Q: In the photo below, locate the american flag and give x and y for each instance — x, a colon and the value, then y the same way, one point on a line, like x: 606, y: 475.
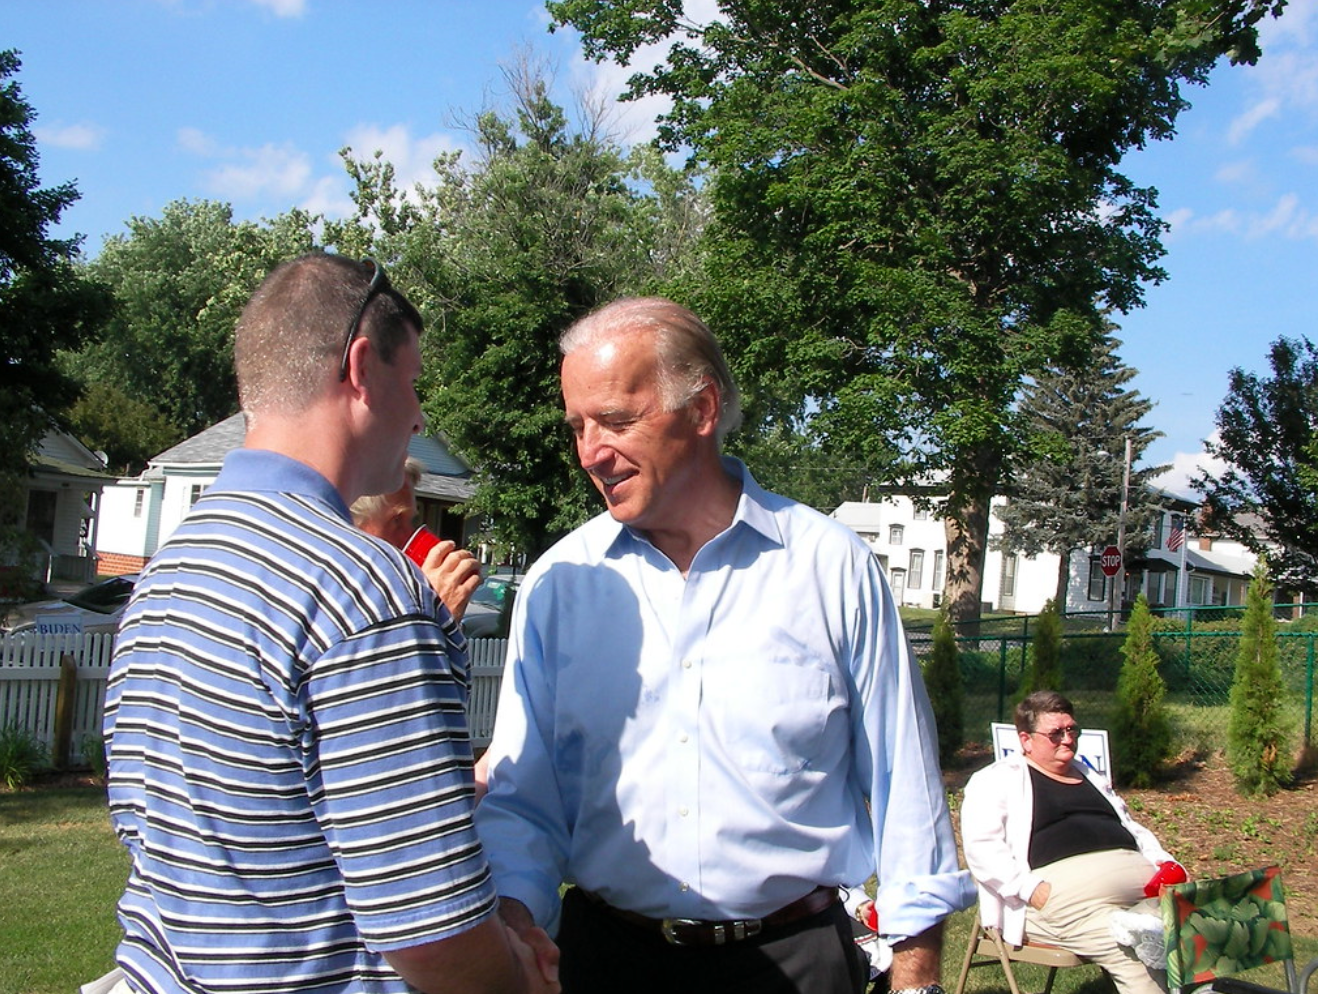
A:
x: 1177, y: 535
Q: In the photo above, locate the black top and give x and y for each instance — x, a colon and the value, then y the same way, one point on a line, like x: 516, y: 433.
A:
x: 1070, y: 819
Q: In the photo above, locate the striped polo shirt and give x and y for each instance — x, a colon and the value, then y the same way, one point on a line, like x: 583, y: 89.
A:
x: 289, y: 760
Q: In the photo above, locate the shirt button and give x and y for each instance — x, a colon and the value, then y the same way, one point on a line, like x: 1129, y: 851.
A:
x: 682, y: 812
x: 684, y: 888
x: 686, y: 664
x: 683, y: 737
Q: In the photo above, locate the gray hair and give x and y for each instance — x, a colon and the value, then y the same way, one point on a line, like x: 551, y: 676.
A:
x: 688, y: 355
x: 374, y: 506
x: 1034, y: 706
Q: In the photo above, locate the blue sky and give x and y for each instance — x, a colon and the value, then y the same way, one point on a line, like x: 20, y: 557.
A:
x: 142, y: 102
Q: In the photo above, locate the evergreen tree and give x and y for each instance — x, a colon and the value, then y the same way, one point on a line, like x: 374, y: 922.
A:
x: 1267, y: 435
x: 1045, y: 671
x: 1141, y: 730
x: 1067, y: 495
x: 942, y: 678
x: 45, y: 305
x: 1257, y: 735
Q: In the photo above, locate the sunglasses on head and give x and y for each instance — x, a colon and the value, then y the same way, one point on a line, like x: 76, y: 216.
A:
x: 379, y: 284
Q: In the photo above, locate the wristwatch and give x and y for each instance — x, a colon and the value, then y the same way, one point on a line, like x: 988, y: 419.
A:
x: 926, y: 989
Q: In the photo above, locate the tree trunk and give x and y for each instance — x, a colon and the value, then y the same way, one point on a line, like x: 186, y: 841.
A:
x: 1063, y: 581
x: 967, y: 545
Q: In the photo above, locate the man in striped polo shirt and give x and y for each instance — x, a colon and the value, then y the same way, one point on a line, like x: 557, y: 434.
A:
x: 289, y: 761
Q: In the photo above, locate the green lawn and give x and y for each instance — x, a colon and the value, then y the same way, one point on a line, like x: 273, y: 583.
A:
x: 61, y: 871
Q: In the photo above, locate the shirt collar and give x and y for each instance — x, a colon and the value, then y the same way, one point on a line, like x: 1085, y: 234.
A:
x: 263, y: 471
x: 756, y: 509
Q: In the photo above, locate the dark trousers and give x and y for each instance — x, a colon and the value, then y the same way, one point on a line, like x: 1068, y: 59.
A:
x: 602, y: 954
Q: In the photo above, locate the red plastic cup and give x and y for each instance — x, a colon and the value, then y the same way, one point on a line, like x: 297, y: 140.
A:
x: 421, y: 542
x: 1166, y: 875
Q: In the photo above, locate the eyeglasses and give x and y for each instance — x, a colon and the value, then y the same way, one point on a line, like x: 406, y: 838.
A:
x: 1058, y: 734
x: 379, y: 284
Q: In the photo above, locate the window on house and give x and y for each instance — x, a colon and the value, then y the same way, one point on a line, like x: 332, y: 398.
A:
x: 139, y: 500
x: 1157, y: 533
x: 1097, y: 581
x: 895, y: 534
x: 915, y: 578
x: 1201, y: 589
x: 921, y: 514
x: 1009, y: 576
x: 938, y: 571
x: 195, y: 493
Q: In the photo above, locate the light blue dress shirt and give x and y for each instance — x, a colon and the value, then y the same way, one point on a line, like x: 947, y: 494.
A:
x: 716, y: 746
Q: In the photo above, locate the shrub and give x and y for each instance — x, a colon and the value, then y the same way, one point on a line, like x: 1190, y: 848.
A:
x: 1141, y: 730
x: 942, y: 678
x: 1257, y: 733
x: 21, y: 756
x: 1045, y: 653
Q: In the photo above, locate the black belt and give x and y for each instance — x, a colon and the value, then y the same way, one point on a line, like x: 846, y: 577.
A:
x: 694, y: 932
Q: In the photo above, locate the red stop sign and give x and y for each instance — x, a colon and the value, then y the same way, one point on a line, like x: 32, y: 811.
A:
x: 1110, y: 560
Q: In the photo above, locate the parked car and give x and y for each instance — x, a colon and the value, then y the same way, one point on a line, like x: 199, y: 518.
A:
x: 487, y: 613
x: 98, y: 606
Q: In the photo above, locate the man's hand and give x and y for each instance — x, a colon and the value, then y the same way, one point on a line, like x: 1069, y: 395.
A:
x: 1040, y: 896
x: 520, y: 923
x: 453, y: 574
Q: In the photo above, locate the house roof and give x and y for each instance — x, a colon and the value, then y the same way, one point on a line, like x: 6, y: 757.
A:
x: 446, y: 476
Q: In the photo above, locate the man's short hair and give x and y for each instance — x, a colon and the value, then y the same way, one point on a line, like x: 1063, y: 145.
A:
x: 374, y: 506
x: 1034, y: 706
x: 689, y: 357
x: 290, y: 338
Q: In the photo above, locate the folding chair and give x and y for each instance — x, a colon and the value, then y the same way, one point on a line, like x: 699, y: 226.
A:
x: 1217, y: 928
x: 987, y: 943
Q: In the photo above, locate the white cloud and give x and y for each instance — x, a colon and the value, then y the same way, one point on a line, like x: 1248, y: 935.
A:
x: 197, y: 142
x: 284, y: 8
x: 329, y: 197
x: 271, y: 170
x: 1245, y: 123
x: 1286, y: 218
x: 1308, y: 154
x: 79, y: 137
x: 412, y: 158
x: 1185, y: 466
x: 1242, y: 171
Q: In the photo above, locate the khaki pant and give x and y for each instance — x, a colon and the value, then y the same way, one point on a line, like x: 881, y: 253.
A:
x: 1086, y: 890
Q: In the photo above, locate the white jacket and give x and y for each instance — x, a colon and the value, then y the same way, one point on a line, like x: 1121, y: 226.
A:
x: 997, y: 817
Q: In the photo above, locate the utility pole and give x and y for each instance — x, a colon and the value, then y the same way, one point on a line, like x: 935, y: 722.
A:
x: 1120, y: 579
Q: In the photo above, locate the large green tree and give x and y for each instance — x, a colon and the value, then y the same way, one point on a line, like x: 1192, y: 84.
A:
x: 179, y: 283
x: 917, y: 204
x: 1267, y: 433
x: 1067, y: 491
x: 550, y: 220
x: 45, y: 305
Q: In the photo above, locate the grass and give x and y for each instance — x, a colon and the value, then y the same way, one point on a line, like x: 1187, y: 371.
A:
x: 61, y: 872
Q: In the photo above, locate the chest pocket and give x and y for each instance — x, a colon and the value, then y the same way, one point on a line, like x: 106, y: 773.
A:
x: 775, y: 716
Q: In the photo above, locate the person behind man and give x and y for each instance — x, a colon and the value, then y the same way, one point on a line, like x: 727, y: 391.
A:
x: 710, y: 717
x: 454, y: 573
x: 1055, y: 851
x: 289, y: 765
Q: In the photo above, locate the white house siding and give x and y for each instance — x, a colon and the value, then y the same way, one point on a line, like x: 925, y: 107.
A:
x: 127, y: 528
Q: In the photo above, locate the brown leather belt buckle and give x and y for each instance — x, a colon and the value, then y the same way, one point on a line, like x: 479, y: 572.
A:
x: 693, y: 932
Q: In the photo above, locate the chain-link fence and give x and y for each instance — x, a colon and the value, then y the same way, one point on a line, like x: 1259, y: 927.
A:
x: 1198, y: 661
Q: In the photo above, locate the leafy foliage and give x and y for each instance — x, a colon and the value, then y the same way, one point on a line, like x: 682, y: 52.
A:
x: 22, y: 755
x: 1066, y: 494
x: 942, y: 678
x: 1268, y: 436
x: 1045, y: 671
x: 128, y: 430
x: 45, y: 305
x: 550, y: 222
x: 1258, y: 732
x: 1141, y: 730
x: 179, y: 283
x: 917, y: 205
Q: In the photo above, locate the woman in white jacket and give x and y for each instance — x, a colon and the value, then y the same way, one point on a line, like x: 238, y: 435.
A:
x: 1054, y: 850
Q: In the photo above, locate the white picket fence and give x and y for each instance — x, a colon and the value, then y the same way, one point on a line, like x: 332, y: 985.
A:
x: 30, y: 677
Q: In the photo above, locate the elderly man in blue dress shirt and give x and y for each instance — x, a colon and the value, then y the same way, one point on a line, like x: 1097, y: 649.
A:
x: 711, y: 718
